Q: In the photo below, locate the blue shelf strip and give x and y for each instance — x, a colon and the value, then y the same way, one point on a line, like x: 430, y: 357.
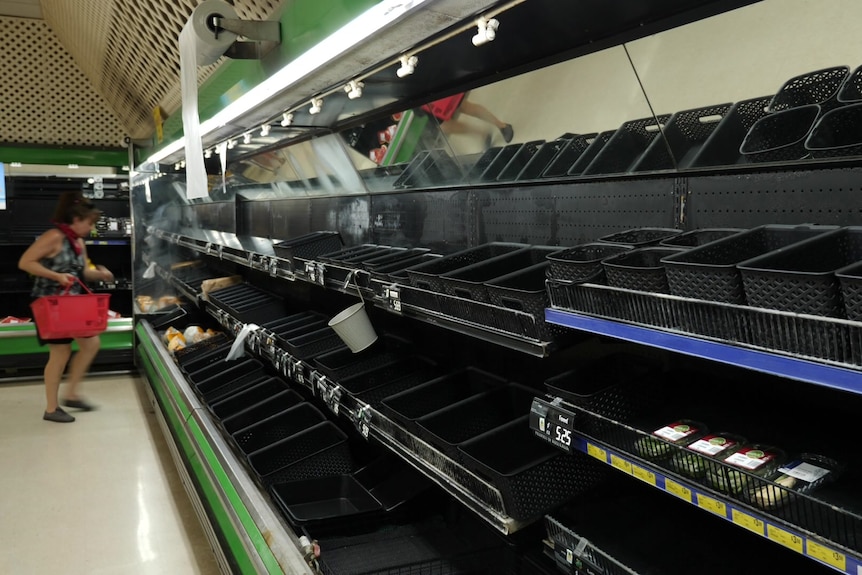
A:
x: 766, y: 362
x: 739, y: 516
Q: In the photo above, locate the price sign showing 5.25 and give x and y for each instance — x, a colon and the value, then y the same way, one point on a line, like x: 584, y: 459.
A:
x: 552, y: 424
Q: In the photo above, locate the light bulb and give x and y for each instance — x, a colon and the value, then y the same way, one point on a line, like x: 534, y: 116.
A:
x: 408, y: 66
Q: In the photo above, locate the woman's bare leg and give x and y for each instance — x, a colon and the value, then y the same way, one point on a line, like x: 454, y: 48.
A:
x: 88, y: 347
x: 58, y: 357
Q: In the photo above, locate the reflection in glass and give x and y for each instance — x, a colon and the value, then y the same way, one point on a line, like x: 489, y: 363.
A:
x: 763, y: 83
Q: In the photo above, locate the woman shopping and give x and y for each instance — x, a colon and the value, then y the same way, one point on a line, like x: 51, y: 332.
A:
x: 57, y: 260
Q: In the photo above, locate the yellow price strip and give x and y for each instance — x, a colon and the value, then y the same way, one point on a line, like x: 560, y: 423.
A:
x: 828, y: 556
x: 680, y: 491
x: 712, y: 505
x: 747, y: 521
x: 784, y: 538
x: 621, y: 464
x: 643, y: 474
x: 597, y: 452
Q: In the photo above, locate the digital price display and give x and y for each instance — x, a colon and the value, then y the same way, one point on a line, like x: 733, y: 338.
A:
x: 552, y: 424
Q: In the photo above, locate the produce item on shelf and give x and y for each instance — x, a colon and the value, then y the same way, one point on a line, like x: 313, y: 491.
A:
x: 185, y: 264
x: 682, y: 432
x: 114, y: 314
x: 214, y: 284
x: 166, y: 300
x: 171, y: 333
x: 144, y: 302
x: 710, y: 446
x: 802, y: 475
x: 177, y: 342
x: 11, y: 320
x: 194, y: 334
x: 760, y: 460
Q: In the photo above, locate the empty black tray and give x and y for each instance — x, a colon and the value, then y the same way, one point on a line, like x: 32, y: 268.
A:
x: 308, y: 246
x: 427, y: 276
x: 408, y: 406
x: 469, y: 282
x: 641, y: 269
x: 254, y: 412
x: 276, y: 427
x: 582, y: 263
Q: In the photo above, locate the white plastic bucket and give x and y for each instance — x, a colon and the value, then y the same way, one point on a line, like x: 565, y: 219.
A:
x: 354, y: 328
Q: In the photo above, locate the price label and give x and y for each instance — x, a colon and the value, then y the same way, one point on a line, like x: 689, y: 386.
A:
x: 828, y: 556
x: 621, y: 464
x: 644, y: 474
x: 712, y: 505
x: 597, y: 452
x: 680, y: 491
x: 747, y: 521
x: 784, y: 538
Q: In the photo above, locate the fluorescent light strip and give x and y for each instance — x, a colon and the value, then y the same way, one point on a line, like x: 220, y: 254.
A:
x: 361, y: 28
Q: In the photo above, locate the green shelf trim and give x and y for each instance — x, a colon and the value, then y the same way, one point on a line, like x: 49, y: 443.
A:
x: 20, y: 339
x: 190, y: 436
x: 62, y: 156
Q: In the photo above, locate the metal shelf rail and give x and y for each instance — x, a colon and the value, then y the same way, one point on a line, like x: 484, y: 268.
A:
x: 803, y: 523
x: 510, y: 328
x: 819, y: 350
x: 475, y: 493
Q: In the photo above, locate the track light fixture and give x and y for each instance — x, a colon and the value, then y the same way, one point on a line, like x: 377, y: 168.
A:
x: 208, y: 153
x: 487, y: 31
x: 316, y: 106
x: 286, y: 119
x: 264, y: 130
x: 354, y: 89
x: 246, y: 138
x: 231, y: 144
x: 408, y: 66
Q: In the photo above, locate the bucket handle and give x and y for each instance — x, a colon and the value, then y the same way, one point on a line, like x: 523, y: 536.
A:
x: 352, y: 276
x: 77, y: 279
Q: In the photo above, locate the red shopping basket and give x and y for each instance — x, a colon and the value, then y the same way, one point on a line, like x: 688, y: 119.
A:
x: 71, y: 315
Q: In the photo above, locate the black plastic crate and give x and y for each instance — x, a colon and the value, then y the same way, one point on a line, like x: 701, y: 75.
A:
x: 396, y: 256
x: 582, y: 263
x: 499, y: 162
x: 432, y: 168
x: 850, y: 279
x: 482, y: 163
x: 572, y: 149
x: 469, y: 282
x: 709, y: 272
x: 313, y: 502
x: 254, y: 412
x: 533, y: 477
x: 781, y: 136
x: 347, y: 253
x: 233, y: 381
x: 220, y: 366
x: 422, y: 372
x: 308, y: 246
x: 265, y: 390
x: 542, y: 159
x: 448, y: 427
x: 640, y: 237
x: 619, y: 386
x: 722, y: 146
x: 801, y: 278
x: 820, y: 87
x: 522, y: 290
x: 395, y: 272
x: 427, y: 276
x: 837, y: 133
x: 276, y: 427
x: 851, y: 89
x: 405, y: 177
x: 520, y: 160
x: 626, y: 146
x: 408, y: 406
x: 641, y: 269
x: 307, y: 346
x: 343, y: 363
x: 597, y: 144
x: 403, y: 366
x: 318, y: 451
x: 696, y: 238
x: 684, y: 135
x: 213, y: 344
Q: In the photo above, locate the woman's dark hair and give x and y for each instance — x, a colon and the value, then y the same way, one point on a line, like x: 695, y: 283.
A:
x: 74, y: 205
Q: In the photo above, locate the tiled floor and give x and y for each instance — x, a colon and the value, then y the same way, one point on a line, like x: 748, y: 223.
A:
x: 99, y: 496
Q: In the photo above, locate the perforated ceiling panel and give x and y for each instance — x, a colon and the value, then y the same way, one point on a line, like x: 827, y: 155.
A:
x: 92, y: 71
x: 46, y: 98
